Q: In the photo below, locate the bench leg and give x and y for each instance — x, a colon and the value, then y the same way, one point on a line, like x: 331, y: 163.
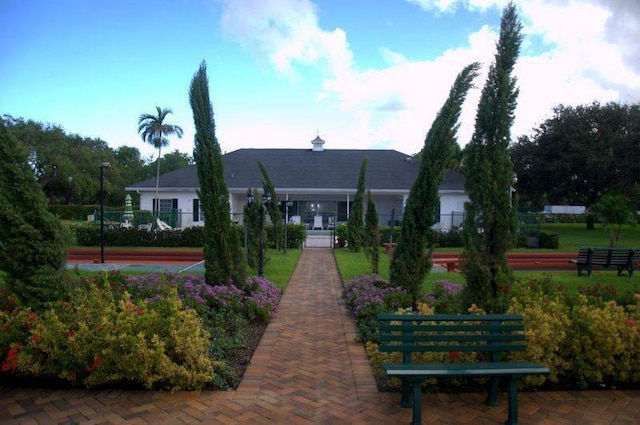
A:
x: 492, y: 394
x: 406, y: 393
x: 417, y: 402
x: 513, y: 401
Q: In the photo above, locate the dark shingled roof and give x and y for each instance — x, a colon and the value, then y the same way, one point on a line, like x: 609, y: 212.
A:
x: 306, y: 169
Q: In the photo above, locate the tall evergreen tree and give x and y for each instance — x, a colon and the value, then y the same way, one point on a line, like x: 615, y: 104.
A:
x: 490, y: 218
x: 355, y: 224
x: 223, y: 255
x: 372, y: 234
x: 410, y: 263
x: 273, y: 209
x: 251, y: 221
x: 32, y: 240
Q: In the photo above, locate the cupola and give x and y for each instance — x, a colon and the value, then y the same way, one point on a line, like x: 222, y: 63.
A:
x: 317, y: 144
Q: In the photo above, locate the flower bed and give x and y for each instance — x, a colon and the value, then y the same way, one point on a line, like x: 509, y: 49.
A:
x: 154, y: 331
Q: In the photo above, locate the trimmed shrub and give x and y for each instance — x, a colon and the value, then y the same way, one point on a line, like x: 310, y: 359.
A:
x: 101, y: 338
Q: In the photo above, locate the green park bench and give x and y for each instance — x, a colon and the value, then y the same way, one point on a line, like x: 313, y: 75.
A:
x: 491, y: 334
x: 623, y: 258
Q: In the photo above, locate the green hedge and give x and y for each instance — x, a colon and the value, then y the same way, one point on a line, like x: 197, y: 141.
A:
x: 87, y: 234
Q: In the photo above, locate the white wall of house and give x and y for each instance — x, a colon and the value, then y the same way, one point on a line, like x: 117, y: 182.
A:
x: 451, y: 206
x: 451, y: 209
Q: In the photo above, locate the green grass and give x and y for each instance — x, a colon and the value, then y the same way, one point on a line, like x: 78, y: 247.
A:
x: 352, y: 265
x: 571, y: 236
x: 279, y: 267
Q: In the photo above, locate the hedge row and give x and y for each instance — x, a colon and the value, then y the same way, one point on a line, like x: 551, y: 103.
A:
x: 89, y: 235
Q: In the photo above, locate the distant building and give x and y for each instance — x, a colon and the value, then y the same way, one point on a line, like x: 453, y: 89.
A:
x: 320, y: 183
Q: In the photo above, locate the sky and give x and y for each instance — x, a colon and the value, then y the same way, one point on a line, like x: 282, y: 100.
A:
x: 362, y: 74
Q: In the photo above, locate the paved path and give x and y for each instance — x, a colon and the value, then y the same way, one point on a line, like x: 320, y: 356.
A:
x: 308, y: 369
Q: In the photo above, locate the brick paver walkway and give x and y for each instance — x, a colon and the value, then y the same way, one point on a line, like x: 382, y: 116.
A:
x: 308, y: 369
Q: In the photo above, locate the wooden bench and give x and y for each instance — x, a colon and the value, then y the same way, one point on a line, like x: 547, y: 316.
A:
x: 491, y: 335
x: 622, y: 258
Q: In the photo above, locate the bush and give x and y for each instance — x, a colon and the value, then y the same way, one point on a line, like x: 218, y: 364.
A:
x: 366, y: 296
x: 101, y: 337
x: 549, y: 240
x: 445, y: 297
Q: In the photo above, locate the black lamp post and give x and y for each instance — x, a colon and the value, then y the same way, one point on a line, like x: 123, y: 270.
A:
x: 102, y: 167
x: 245, y: 220
x: 287, y: 204
x: 266, y: 200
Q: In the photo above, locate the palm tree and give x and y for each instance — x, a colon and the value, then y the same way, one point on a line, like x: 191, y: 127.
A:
x: 154, y: 131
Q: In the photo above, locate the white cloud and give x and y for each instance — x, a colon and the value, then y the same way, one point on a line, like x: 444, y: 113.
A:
x: 588, y: 53
x: 287, y: 32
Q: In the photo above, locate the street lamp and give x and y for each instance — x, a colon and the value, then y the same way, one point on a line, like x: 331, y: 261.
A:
x: 266, y: 200
x: 287, y: 204
x: 245, y: 220
x: 102, y: 167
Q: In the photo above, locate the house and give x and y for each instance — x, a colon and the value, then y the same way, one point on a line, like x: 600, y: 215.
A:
x: 319, y: 183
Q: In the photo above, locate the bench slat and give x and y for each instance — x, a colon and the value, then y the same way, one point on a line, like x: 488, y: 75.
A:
x: 463, y: 369
x: 446, y: 327
x: 412, y: 348
x: 489, y: 338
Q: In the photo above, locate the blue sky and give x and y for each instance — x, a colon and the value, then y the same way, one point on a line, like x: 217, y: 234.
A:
x: 362, y: 74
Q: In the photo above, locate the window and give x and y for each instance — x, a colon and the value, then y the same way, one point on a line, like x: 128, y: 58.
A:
x: 196, y: 210
x: 166, y: 204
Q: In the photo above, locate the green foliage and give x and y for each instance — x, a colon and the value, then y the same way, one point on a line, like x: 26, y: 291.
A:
x: 342, y: 233
x: 410, y: 265
x: 154, y: 130
x: 32, y: 240
x: 490, y: 219
x: 579, y: 154
x: 296, y: 234
x: 549, y: 240
x: 273, y: 208
x: 355, y: 225
x: 372, y: 235
x: 102, y: 338
x: 614, y: 210
x: 224, y: 257
x: 251, y: 222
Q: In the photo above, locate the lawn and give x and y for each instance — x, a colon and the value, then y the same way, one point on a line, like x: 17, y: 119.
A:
x: 574, y: 235
x: 571, y: 236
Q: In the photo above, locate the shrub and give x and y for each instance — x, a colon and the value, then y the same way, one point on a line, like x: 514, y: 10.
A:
x: 546, y: 321
x: 366, y: 296
x: 98, y: 339
x: 445, y: 297
x: 596, y: 343
x: 549, y: 240
x: 258, y: 300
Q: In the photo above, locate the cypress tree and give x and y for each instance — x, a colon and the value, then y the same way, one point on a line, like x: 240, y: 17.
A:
x: 32, y: 240
x: 410, y: 263
x: 273, y: 209
x: 490, y: 218
x: 252, y: 227
x: 223, y: 255
x: 372, y: 234
x: 355, y: 225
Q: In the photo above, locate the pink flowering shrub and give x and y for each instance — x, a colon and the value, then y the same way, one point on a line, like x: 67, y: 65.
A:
x: 258, y: 300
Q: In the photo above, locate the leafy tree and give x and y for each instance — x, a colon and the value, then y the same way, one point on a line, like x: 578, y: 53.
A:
x: 273, y: 209
x: 615, y: 210
x: 224, y: 258
x: 490, y: 218
x: 410, y: 263
x: 32, y: 240
x: 154, y: 130
x: 65, y: 166
x: 355, y: 225
x: 580, y: 154
x: 175, y: 160
x: 372, y: 234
